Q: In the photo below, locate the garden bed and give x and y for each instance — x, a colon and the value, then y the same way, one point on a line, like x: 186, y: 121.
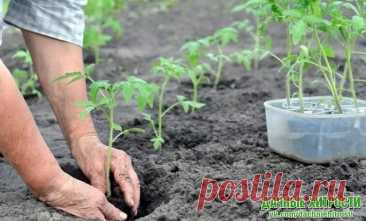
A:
x: 226, y: 139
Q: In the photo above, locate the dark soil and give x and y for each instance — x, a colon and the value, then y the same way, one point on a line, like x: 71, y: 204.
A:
x: 224, y: 140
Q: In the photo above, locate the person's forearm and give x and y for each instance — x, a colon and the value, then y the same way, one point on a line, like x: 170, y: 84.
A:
x: 20, y: 141
x: 52, y: 59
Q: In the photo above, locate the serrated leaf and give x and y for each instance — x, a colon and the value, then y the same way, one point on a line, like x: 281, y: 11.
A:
x: 127, y: 91
x: 95, y: 88
x: 226, y: 36
x: 157, y: 142
x: 141, y: 103
x: 298, y: 31
x: 358, y: 24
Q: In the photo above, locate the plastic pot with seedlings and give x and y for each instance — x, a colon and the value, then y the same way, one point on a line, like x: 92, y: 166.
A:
x: 326, y: 128
x: 318, y: 134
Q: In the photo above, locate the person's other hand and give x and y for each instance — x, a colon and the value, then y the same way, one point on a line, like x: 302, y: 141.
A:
x: 91, y: 156
x: 79, y: 199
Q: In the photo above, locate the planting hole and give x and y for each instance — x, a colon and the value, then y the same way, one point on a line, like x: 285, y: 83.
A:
x: 154, y: 183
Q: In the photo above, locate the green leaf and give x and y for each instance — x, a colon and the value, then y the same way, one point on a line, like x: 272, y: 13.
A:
x: 116, y: 127
x: 115, y: 25
x: 71, y: 77
x: 157, y: 142
x: 134, y: 130
x: 187, y: 105
x: 292, y: 13
x: 192, y: 51
x: 244, y: 58
x: 89, y: 69
x: 95, y: 88
x: 127, y: 91
x: 239, y: 8
x: 141, y: 103
x: 226, y: 36
x: 169, y: 67
x: 351, y: 6
x: 358, y: 24
x: 329, y: 52
x: 24, y: 56
x: 298, y: 31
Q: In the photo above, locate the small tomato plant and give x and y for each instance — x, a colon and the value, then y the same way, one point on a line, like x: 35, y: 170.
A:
x: 26, y: 79
x: 313, y: 29
x: 102, y: 16
x: 196, y: 68
x: 105, y: 97
x: 169, y: 69
x: 261, y: 11
x: 219, y: 40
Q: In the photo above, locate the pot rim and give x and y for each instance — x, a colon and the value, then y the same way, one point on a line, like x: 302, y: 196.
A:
x: 268, y: 104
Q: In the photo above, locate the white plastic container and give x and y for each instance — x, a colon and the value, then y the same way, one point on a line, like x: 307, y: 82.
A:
x: 317, y: 137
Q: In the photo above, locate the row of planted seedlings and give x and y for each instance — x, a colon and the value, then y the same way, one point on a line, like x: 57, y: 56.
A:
x: 150, y: 99
x: 202, y: 61
x: 319, y: 32
x: 103, y: 24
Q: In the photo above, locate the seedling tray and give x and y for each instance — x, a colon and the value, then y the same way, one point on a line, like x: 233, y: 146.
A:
x: 318, y: 135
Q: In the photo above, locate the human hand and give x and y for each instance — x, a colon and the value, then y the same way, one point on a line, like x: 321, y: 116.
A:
x: 79, y: 199
x: 90, y: 155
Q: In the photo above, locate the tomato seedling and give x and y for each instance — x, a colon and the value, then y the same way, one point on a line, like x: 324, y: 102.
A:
x: 106, y: 96
x: 196, y: 68
x: 220, y: 39
x: 26, y: 79
x: 349, y: 30
x: 314, y: 26
x: 101, y: 16
x: 169, y: 69
x: 261, y: 11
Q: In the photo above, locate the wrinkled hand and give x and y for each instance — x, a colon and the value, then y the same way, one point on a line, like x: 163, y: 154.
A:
x: 79, y: 199
x: 91, y: 154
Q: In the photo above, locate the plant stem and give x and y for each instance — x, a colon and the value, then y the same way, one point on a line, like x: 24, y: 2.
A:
x: 256, y: 45
x: 288, y: 89
x: 219, y: 67
x: 350, y: 76
x: 96, y: 54
x: 195, y: 94
x: 134, y: 130
x: 300, y: 87
x: 329, y: 79
x: 343, y: 80
x: 109, y: 152
x: 169, y: 109
x: 288, y: 79
x: 161, y: 104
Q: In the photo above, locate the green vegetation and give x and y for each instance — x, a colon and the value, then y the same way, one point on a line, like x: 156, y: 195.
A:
x: 261, y: 12
x: 102, y: 20
x: 314, y: 29
x: 105, y: 97
x: 169, y: 69
x: 26, y: 79
x: 196, y: 68
x: 219, y: 40
x: 317, y: 27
